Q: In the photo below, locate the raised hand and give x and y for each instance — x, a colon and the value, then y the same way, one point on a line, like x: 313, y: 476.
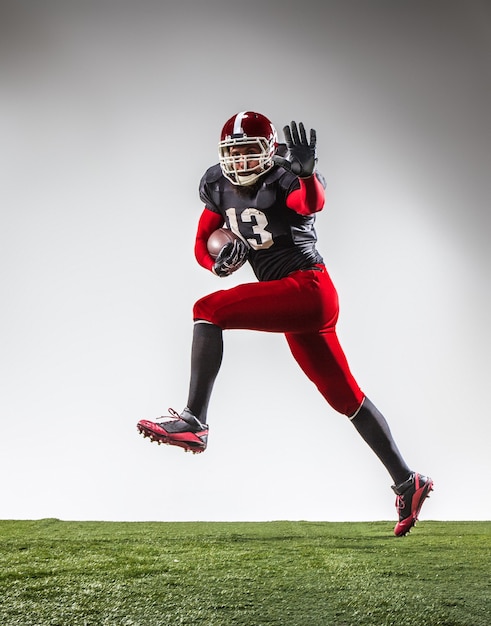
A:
x: 302, y: 154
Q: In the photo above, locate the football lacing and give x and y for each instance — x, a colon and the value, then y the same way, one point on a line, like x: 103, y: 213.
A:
x: 173, y: 415
x: 400, y: 504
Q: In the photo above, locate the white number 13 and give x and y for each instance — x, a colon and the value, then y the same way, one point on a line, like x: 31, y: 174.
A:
x: 259, y: 222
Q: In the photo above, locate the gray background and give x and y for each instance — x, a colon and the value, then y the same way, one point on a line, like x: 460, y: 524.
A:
x: 109, y: 114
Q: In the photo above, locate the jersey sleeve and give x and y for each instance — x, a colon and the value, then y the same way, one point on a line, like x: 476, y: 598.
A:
x: 208, y: 222
x: 308, y: 197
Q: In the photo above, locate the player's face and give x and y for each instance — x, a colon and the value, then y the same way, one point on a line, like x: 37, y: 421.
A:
x: 246, y: 158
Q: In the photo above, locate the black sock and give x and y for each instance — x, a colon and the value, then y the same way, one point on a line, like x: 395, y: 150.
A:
x: 373, y: 427
x: 206, y: 359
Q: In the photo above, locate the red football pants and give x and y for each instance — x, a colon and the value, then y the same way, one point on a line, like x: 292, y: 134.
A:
x: 303, y: 306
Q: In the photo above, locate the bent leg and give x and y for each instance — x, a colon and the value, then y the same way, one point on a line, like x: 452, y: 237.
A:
x: 301, y: 302
x: 295, y: 302
x: 206, y: 359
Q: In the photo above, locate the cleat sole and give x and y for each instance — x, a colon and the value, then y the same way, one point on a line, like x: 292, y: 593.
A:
x: 186, y: 446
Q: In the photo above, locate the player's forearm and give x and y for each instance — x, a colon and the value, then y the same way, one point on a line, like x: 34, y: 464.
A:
x: 208, y: 222
x: 309, y: 198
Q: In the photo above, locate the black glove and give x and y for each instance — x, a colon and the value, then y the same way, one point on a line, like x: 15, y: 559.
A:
x: 232, y: 256
x: 302, y: 155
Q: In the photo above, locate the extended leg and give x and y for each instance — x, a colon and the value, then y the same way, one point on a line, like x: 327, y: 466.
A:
x: 373, y: 427
x: 321, y: 357
x: 411, y: 488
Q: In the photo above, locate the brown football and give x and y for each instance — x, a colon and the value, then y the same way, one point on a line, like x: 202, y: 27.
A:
x: 218, y: 239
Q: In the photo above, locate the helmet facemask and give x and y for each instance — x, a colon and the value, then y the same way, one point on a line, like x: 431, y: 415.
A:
x: 236, y: 167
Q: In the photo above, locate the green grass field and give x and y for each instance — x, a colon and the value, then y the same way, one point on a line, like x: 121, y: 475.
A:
x: 250, y: 574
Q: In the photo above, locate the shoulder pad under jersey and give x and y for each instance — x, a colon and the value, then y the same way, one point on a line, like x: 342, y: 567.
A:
x: 209, y: 187
x: 212, y: 174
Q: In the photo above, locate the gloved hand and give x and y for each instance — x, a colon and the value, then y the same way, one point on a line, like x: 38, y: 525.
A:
x: 302, y: 155
x: 230, y: 258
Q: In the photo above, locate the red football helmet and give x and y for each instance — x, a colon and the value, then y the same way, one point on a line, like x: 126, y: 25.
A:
x: 247, y: 129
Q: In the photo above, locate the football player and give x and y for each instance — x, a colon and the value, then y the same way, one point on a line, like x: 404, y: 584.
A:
x: 268, y: 194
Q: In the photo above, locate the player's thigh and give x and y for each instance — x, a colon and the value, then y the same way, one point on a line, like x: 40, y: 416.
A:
x: 301, y: 302
x: 268, y: 306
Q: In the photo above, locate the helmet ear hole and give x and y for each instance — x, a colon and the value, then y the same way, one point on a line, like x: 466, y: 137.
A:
x: 247, y: 128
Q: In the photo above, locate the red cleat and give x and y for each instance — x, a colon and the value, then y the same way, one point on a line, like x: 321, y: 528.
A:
x: 184, y: 431
x: 410, y: 497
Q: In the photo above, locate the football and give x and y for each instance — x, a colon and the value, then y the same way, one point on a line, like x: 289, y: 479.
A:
x: 218, y: 239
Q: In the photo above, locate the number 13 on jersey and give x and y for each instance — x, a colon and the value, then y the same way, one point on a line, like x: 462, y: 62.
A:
x: 254, y: 222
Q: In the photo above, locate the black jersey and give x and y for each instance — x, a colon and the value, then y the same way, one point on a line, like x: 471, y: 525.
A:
x: 281, y: 241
